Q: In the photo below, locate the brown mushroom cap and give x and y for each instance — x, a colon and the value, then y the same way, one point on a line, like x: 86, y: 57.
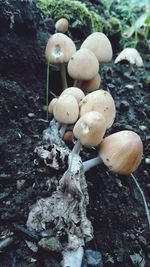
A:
x: 66, y: 109
x: 83, y: 65
x: 90, y: 129
x: 59, y: 48
x: 91, y: 85
x: 131, y: 55
x: 51, y: 105
x: 122, y: 152
x: 61, y: 25
x: 100, y: 45
x: 102, y: 102
x: 75, y: 91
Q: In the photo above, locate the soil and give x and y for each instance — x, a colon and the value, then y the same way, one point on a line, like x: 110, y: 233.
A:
x: 116, y: 208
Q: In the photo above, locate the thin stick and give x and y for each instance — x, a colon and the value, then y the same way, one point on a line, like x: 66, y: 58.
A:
x: 144, y: 200
x: 47, y: 87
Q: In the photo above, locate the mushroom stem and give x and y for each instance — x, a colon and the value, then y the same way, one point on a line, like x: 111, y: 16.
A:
x: 87, y: 165
x: 77, y: 83
x: 77, y: 147
x: 63, y: 76
x: 131, y: 68
x: 47, y: 87
x: 62, y: 130
x: 144, y: 200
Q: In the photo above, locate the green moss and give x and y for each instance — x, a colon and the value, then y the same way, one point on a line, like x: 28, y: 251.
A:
x: 76, y: 12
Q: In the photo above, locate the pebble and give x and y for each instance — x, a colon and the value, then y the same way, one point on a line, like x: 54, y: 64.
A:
x: 147, y: 160
x: 129, y: 86
x: 92, y: 258
x: 142, y: 127
x: 31, y: 115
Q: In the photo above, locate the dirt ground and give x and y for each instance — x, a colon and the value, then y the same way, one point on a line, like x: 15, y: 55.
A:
x: 116, y: 209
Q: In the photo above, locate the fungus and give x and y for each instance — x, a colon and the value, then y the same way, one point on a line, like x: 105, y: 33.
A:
x: 102, y: 102
x: 66, y: 111
x: 100, y: 45
x: 75, y: 91
x: 61, y: 25
x: 89, y: 130
x: 83, y: 65
x: 121, y: 152
x: 91, y: 85
x: 132, y: 56
x: 51, y: 105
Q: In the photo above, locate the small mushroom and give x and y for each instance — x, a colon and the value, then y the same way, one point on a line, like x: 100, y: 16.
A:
x: 61, y: 25
x: 59, y: 50
x: 83, y: 65
x: 51, y: 105
x: 89, y: 86
x: 66, y: 111
x: 75, y: 91
x: 89, y: 130
x: 132, y: 56
x: 121, y: 152
x: 100, y: 45
x: 102, y: 102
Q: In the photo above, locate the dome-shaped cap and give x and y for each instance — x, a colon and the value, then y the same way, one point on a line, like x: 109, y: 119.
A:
x: 59, y: 48
x: 100, y: 45
x: 75, y: 91
x: 66, y: 109
x: 83, y: 65
x: 91, y: 85
x: 61, y: 25
x: 102, y: 102
x: 122, y: 152
x: 131, y: 55
x: 90, y: 129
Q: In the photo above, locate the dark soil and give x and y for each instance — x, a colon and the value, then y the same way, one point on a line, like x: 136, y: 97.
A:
x: 116, y: 208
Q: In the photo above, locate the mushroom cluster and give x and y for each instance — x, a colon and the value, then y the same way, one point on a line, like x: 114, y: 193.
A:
x: 81, y: 115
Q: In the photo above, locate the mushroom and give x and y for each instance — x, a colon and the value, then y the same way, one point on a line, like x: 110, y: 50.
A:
x: 75, y: 91
x: 91, y: 85
x: 89, y: 130
x: 61, y: 25
x: 66, y: 111
x: 121, y: 152
x: 102, y: 102
x: 59, y: 50
x: 51, y: 105
x: 83, y: 65
x: 132, y: 56
x: 100, y: 45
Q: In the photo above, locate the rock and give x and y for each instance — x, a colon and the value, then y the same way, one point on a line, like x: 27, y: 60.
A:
x: 93, y: 258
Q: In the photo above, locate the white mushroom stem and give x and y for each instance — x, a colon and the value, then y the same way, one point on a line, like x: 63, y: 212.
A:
x: 87, y: 165
x: 77, y: 83
x: 63, y: 76
x: 144, y: 200
x: 62, y: 130
x: 77, y: 147
x: 72, y: 258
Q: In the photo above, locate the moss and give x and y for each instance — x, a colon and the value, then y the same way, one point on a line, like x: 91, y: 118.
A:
x: 76, y: 12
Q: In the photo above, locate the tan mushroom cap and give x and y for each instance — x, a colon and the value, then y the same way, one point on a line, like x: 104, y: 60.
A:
x: 83, y: 65
x: 102, y: 102
x: 90, y: 129
x: 75, y: 91
x: 59, y: 48
x: 66, y: 109
x: 61, y: 25
x: 91, y: 85
x: 122, y: 152
x: 51, y: 105
x: 100, y: 45
x: 131, y: 55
